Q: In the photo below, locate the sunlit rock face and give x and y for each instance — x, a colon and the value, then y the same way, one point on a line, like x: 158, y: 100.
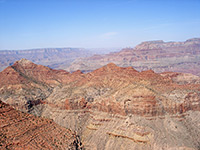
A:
x: 111, y: 107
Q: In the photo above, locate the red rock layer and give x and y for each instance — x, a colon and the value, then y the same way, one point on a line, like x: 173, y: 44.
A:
x: 156, y: 55
x: 151, y: 96
x: 24, y: 131
x: 26, y: 72
x: 112, y: 89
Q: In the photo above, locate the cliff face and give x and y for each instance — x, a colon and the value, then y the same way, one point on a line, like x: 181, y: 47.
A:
x: 111, y: 106
x: 24, y: 131
x: 53, y: 57
x: 156, y: 55
x: 164, y: 45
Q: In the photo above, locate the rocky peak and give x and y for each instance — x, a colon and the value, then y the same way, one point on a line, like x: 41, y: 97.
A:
x: 153, y: 42
x: 149, y: 45
x: 159, y: 44
x: 111, y: 66
x: 25, y: 70
x: 107, y: 69
x: 193, y: 40
x: 148, y: 72
x: 78, y: 72
x: 24, y: 62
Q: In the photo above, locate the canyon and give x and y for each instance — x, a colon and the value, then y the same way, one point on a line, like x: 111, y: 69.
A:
x: 158, y: 56
x: 111, y: 107
x: 52, y: 57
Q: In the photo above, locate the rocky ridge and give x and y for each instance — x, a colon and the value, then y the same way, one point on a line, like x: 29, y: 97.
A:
x: 24, y: 131
x: 156, y: 55
x: 113, y: 106
x: 28, y: 84
x: 164, y: 45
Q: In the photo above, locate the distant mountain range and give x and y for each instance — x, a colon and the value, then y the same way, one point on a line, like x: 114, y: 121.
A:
x: 52, y: 57
x: 110, y: 107
x: 156, y: 55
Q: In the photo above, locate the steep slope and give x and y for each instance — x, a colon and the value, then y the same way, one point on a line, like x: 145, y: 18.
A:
x: 24, y: 83
x: 124, y: 90
x: 121, y: 108
x: 24, y: 131
x: 118, y: 107
x: 156, y: 55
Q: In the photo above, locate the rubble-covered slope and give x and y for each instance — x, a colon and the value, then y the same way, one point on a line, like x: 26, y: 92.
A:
x: 24, y: 131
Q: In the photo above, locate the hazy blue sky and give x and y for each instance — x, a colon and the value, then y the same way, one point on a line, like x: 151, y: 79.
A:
x: 28, y: 24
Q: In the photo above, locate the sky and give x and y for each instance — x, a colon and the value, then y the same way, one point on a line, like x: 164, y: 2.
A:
x: 29, y: 24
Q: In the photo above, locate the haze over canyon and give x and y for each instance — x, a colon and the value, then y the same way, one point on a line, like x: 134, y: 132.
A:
x: 99, y: 75
x: 156, y: 55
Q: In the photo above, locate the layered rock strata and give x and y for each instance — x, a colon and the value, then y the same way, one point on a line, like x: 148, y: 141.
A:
x: 156, y: 55
x: 24, y: 131
x: 112, y: 107
x: 53, y: 57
